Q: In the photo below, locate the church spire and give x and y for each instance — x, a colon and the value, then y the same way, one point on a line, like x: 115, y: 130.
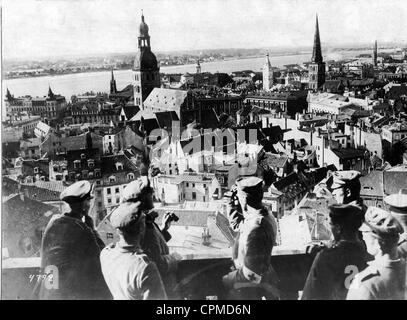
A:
x: 316, y: 52
x: 113, y: 88
x: 375, y: 53
x: 50, y: 93
x: 8, y: 95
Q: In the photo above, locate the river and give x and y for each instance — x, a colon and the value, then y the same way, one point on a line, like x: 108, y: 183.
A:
x: 78, y: 83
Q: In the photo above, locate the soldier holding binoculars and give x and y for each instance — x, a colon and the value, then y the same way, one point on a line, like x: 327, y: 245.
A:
x: 156, y: 237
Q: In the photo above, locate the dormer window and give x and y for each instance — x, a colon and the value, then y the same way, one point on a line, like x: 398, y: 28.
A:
x: 83, y: 156
x: 119, y: 166
x: 36, y: 170
x: 112, y: 179
x: 97, y: 173
x: 91, y: 163
x: 76, y: 164
x: 130, y: 176
x: 90, y: 175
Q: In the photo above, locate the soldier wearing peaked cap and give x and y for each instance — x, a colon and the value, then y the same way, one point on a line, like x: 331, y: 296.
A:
x: 385, y: 277
x: 72, y: 245
x: 397, y: 205
x: 345, y: 254
x: 254, y: 276
x: 128, y: 272
x: 156, y: 237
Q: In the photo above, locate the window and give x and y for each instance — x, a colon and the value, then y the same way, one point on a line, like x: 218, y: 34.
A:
x: 193, y: 185
x: 109, y: 235
x: 83, y: 156
x: 91, y: 164
x: 112, y: 179
x: 97, y: 173
x: 76, y: 164
x: 36, y: 170
x: 98, y: 182
x: 117, y: 190
x: 117, y: 200
x: 193, y: 195
x: 109, y: 200
x: 130, y: 176
x: 99, y: 204
x: 108, y: 191
x: 55, y: 168
x: 90, y: 175
x: 187, y: 184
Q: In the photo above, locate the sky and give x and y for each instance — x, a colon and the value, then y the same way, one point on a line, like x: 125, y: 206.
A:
x: 50, y: 28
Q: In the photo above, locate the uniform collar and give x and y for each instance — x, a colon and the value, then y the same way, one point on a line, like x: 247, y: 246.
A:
x: 384, y: 263
x: 125, y: 247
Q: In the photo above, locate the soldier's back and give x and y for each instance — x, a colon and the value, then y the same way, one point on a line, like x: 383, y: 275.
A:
x: 333, y: 269
x: 383, y: 280
x: 126, y: 271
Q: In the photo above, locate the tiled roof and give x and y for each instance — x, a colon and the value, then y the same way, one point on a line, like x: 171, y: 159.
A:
x: 348, y: 153
x: 273, y: 160
x: 394, y: 179
x: 23, y: 217
x: 190, y: 218
x: 372, y: 184
x: 28, y: 167
x: 30, y: 143
x: 166, y: 118
x: 397, y: 91
x: 10, y: 149
x: 165, y: 99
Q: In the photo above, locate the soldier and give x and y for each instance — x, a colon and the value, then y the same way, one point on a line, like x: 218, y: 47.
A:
x: 254, y: 277
x: 71, y: 248
x: 338, y: 261
x: 345, y: 188
x: 397, y: 204
x: 384, y: 278
x: 129, y: 273
x: 155, y: 240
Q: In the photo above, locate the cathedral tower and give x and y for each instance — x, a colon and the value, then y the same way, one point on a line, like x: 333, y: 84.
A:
x: 146, y: 69
x: 316, y: 69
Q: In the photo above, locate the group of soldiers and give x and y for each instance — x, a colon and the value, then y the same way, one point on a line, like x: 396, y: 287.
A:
x: 364, y: 260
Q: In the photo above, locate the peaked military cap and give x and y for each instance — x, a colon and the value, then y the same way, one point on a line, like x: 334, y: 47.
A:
x: 251, y: 185
x: 77, y: 192
x: 134, y: 190
x: 125, y: 214
x: 343, y: 178
x: 382, y: 223
x: 350, y: 210
x: 397, y: 203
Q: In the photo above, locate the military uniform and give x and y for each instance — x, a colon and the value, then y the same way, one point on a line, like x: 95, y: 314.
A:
x: 73, y: 248
x: 252, y: 250
x: 397, y: 204
x: 155, y: 240
x: 384, y: 278
x: 327, y: 277
x: 129, y: 273
x: 333, y: 265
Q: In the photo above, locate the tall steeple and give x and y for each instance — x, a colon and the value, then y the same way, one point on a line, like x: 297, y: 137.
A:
x: 268, y: 76
x: 316, y: 51
x: 113, y: 88
x: 375, y: 53
x: 8, y: 95
x: 316, y: 70
x: 50, y: 93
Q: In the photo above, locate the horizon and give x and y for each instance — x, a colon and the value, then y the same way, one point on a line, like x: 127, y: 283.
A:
x: 52, y: 29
